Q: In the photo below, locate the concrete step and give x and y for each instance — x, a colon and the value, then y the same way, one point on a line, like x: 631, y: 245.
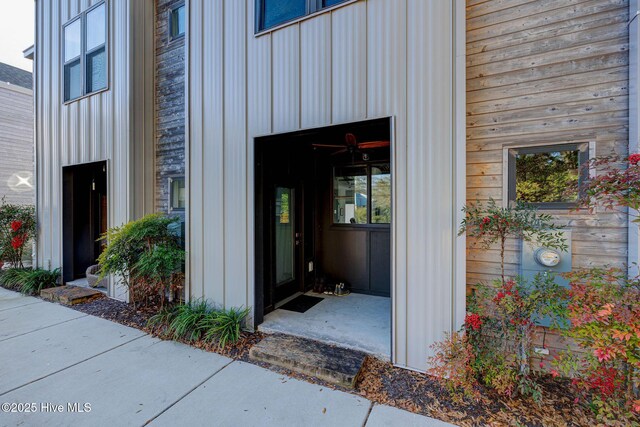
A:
x: 329, y: 363
x: 70, y: 295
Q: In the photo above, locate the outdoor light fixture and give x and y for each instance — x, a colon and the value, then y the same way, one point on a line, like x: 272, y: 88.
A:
x: 547, y: 257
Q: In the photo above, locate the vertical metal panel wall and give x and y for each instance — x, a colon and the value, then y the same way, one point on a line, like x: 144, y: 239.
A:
x: 115, y: 125
x: 367, y: 59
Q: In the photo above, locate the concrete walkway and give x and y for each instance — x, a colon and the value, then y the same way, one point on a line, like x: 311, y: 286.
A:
x: 60, y: 367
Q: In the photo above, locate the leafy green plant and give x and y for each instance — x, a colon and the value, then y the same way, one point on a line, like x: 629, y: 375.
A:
x: 33, y: 281
x: 17, y: 229
x: 224, y: 326
x: 197, y: 320
x: 28, y: 281
x: 492, y: 224
x: 12, y: 278
x: 147, y: 256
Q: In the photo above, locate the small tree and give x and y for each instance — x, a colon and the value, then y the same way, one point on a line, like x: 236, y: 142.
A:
x: 494, y: 224
x: 147, y: 255
x: 17, y: 229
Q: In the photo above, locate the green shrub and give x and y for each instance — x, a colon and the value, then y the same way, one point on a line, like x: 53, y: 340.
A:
x: 28, y: 281
x: 33, y: 281
x: 147, y: 255
x: 12, y: 278
x: 198, y: 321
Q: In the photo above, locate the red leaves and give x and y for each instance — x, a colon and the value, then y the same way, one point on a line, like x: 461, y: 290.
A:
x: 634, y: 158
x: 16, y: 225
x: 473, y: 321
x: 17, y: 241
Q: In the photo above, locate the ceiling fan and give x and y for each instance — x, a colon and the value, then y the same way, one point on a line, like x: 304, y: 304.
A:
x: 351, y: 145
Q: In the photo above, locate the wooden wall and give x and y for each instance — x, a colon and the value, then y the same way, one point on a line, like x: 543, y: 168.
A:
x: 16, y: 144
x: 546, y: 71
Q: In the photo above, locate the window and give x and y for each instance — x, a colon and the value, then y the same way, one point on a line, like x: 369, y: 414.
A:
x: 276, y: 12
x: 177, y: 194
x: 85, y: 54
x: 352, y: 186
x: 177, y: 22
x: 547, y: 176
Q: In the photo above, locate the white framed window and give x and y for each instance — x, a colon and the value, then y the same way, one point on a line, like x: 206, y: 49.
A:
x: 85, y: 53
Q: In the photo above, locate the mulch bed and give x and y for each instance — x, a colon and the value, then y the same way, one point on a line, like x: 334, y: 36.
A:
x: 383, y: 383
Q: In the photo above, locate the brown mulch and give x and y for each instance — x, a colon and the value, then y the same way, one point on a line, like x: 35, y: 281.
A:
x: 385, y: 384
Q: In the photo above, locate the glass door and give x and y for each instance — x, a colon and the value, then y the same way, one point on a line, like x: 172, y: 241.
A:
x: 286, y: 242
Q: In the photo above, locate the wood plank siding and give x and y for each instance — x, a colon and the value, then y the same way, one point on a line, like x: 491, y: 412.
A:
x: 546, y: 71
x: 169, y: 105
x: 16, y: 144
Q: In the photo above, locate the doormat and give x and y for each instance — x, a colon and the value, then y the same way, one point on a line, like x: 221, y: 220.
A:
x: 301, y: 303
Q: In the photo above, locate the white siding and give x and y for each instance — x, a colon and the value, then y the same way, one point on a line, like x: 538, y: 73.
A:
x: 16, y: 143
x: 367, y: 59
x: 115, y: 125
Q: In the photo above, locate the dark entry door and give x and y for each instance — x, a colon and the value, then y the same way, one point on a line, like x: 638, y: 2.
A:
x: 84, y: 217
x: 286, y: 242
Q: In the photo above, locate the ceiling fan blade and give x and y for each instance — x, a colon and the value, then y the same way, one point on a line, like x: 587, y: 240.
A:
x: 327, y: 146
x: 344, y: 150
x: 374, y: 144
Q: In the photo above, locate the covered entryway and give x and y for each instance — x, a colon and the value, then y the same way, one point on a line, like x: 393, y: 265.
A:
x: 84, y: 217
x: 323, y: 234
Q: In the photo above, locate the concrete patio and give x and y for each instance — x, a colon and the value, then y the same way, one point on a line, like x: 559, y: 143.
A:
x: 53, y: 355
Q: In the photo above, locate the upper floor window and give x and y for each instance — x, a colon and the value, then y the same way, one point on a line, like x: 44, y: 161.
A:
x: 177, y: 21
x: 547, y: 176
x: 275, y: 12
x: 85, y: 53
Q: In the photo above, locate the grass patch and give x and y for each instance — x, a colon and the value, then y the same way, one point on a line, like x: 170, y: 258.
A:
x: 199, y: 321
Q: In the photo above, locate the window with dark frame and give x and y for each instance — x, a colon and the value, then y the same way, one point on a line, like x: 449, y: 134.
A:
x: 362, y: 194
x: 177, y: 21
x: 276, y: 12
x: 548, y: 177
x: 177, y: 193
x: 85, y: 53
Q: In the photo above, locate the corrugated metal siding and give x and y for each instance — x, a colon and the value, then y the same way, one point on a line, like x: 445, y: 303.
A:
x: 367, y: 59
x: 98, y: 127
x: 16, y: 144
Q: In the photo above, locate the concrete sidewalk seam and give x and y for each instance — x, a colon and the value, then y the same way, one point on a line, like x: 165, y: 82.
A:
x: 150, y: 420
x: 44, y: 327
x: 71, y: 366
x: 19, y: 306
x: 366, y: 419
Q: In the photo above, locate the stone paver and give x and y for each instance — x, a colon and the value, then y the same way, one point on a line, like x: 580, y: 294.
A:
x: 388, y: 416
x: 247, y: 395
x: 49, y: 350
x: 70, y: 295
x: 52, y: 355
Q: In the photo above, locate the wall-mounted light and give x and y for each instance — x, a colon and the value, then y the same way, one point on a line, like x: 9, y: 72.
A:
x: 547, y: 257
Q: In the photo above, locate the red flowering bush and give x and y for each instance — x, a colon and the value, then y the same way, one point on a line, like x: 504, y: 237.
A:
x: 493, y: 224
x: 498, y: 332
x: 604, y: 310
x: 17, y: 228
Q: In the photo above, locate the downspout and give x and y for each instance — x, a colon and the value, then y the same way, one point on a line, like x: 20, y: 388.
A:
x: 633, y: 249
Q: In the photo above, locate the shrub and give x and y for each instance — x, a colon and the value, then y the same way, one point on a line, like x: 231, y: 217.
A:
x: 147, y: 255
x: 28, y: 281
x: 453, y: 362
x: 17, y: 228
x: 33, y: 281
x: 499, y: 332
x: 198, y: 321
x: 604, y: 311
x: 492, y: 224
